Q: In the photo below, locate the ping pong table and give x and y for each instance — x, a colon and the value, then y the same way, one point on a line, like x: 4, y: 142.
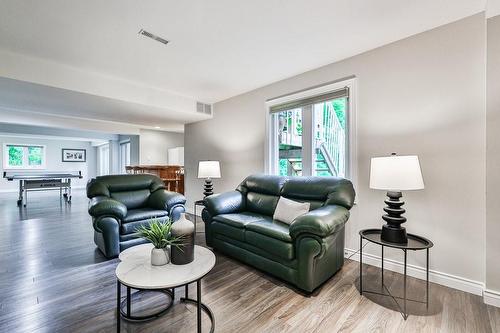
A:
x: 43, y: 181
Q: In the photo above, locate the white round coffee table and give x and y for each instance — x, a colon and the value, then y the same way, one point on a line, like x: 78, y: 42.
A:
x: 136, y: 272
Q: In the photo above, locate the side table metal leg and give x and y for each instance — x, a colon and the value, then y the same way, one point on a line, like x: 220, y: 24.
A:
x: 382, y: 267
x: 427, y: 282
x: 20, y: 199
x: 128, y: 301
x: 360, y: 265
x: 186, y: 291
x: 118, y: 302
x: 198, y: 299
x: 404, y: 288
x: 195, y: 219
x: 25, y: 194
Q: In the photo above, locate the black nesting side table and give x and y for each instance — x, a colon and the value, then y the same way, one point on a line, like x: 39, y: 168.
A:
x: 415, y: 243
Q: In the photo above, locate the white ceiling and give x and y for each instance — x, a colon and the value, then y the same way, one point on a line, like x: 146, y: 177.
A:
x: 492, y: 8
x: 219, y: 48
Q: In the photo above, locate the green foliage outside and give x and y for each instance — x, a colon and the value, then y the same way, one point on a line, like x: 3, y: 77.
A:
x: 15, y: 156
x: 17, y: 153
x: 35, y: 155
x: 283, y: 167
x: 299, y: 128
x: 339, y: 107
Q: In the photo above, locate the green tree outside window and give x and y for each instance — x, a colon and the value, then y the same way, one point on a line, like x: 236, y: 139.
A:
x: 15, y: 156
x: 35, y: 155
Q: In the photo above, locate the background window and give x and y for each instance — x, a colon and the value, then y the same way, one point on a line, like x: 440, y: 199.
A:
x: 124, y: 156
x: 309, y: 136
x: 24, y: 156
x: 330, y: 138
x: 103, y: 155
x: 290, y: 142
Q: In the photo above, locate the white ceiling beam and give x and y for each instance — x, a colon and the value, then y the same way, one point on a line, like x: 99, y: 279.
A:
x: 13, y: 116
x: 53, y: 74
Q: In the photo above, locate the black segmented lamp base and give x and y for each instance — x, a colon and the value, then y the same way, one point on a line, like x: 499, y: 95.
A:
x: 208, y: 188
x: 393, y: 231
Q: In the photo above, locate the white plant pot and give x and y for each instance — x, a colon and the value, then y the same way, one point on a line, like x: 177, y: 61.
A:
x: 159, y: 257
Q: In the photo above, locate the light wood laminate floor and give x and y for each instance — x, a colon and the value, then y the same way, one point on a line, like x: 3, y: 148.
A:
x: 53, y: 279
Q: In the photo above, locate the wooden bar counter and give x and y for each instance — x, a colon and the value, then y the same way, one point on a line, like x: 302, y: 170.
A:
x: 172, y: 175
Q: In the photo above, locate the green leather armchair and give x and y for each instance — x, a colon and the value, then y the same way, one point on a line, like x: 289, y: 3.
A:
x: 306, y: 253
x: 119, y: 204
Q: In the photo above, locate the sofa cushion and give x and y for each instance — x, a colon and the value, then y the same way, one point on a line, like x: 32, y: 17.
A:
x: 330, y: 190
x: 143, y: 214
x: 131, y: 227
x: 270, y: 228
x: 287, y: 210
x: 239, y: 220
x: 262, y: 203
x: 270, y: 245
x: 132, y: 199
x: 265, y: 184
x: 228, y: 230
x: 105, y: 185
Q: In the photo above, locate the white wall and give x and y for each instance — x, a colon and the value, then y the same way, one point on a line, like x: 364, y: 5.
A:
x: 54, y: 159
x: 493, y: 158
x: 423, y: 95
x: 154, y: 145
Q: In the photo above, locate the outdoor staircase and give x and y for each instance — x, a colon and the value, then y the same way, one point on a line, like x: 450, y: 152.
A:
x: 329, y: 142
x: 322, y: 166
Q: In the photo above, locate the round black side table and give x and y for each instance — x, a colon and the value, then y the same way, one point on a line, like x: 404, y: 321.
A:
x: 415, y: 243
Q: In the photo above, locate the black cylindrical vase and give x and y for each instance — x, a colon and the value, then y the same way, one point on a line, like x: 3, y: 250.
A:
x: 183, y: 254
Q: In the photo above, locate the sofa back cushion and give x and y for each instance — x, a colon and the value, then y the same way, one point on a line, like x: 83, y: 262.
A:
x: 131, y: 190
x: 261, y: 203
x: 132, y: 199
x: 320, y: 191
x: 262, y: 192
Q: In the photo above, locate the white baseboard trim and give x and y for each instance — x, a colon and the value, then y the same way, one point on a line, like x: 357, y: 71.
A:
x: 491, y: 297
x: 445, y: 279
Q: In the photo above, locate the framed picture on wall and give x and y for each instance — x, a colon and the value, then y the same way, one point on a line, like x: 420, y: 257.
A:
x: 74, y: 155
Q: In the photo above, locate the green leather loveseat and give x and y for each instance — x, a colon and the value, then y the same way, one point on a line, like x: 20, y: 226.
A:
x: 119, y: 204
x: 307, y: 252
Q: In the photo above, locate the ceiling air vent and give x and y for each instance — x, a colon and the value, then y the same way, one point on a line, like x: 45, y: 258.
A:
x: 204, y: 108
x: 153, y: 36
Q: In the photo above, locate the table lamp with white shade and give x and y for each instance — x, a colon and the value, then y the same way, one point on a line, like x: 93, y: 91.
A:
x: 208, y: 170
x: 395, y: 174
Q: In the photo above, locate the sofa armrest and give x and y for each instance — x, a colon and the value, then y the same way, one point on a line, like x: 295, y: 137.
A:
x: 105, y: 206
x: 165, y: 200
x: 224, y: 203
x: 321, y: 222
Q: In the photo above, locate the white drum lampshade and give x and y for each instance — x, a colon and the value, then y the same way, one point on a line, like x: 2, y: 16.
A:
x: 208, y: 170
x: 395, y: 174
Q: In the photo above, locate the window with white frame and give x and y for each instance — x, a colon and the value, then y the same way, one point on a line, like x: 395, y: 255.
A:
x: 124, y: 155
x: 24, y: 156
x: 311, y: 133
x: 103, y: 154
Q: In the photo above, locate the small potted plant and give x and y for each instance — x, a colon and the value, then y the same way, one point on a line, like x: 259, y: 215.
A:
x: 158, y: 233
